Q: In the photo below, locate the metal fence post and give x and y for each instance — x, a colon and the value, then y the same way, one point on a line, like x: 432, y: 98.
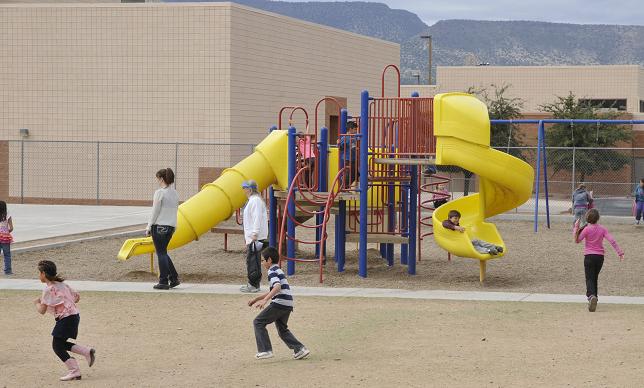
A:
x: 572, y: 180
x: 22, y: 171
x: 98, y: 172
x: 176, y: 163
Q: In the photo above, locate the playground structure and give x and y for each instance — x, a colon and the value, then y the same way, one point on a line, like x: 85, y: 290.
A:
x: 308, y: 180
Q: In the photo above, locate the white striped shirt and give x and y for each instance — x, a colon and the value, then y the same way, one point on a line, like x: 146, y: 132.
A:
x: 284, y: 297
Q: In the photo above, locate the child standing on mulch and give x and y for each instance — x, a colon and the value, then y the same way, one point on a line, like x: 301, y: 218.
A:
x: 594, y: 234
x: 6, y: 227
x: 639, y: 202
x: 60, y: 300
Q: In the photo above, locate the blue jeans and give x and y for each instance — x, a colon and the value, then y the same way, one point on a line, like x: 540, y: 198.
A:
x: 6, y: 250
x: 161, y: 235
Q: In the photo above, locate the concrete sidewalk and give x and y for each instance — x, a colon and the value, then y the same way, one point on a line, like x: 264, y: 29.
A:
x: 35, y: 222
x: 232, y: 289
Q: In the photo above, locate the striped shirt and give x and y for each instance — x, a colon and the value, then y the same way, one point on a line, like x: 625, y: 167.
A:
x: 284, y: 297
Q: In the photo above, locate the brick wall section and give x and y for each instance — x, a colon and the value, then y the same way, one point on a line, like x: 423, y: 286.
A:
x: 4, y: 170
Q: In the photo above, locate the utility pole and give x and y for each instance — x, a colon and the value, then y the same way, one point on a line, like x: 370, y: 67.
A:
x: 429, y: 51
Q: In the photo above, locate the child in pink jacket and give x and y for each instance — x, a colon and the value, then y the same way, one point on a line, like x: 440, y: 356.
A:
x: 60, y: 300
x: 594, y: 234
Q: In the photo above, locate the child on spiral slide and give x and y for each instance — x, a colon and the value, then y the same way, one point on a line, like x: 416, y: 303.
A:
x: 481, y: 246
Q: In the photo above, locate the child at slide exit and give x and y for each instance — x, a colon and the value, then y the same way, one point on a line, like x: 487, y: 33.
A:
x: 60, y: 300
x: 639, y: 202
x: 278, y: 311
x: 6, y: 227
x: 594, y: 234
x: 452, y: 222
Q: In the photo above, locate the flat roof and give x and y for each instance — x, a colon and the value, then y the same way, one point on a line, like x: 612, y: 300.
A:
x: 196, y: 5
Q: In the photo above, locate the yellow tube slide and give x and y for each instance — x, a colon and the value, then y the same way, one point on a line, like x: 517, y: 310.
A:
x: 462, y: 130
x: 217, y: 201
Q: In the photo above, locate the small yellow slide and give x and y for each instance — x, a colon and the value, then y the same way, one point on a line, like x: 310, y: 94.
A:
x: 217, y: 201
x: 462, y: 130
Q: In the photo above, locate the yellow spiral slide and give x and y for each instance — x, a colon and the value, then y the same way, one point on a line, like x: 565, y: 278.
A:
x: 462, y: 130
x: 217, y: 201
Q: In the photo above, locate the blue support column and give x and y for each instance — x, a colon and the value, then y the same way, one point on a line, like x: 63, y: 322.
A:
x: 391, y: 213
x: 323, y: 178
x: 404, y: 248
x: 272, y: 211
x: 290, y: 208
x: 413, y: 225
x: 542, y: 135
x: 536, y: 178
x: 341, y: 218
x: 364, y: 168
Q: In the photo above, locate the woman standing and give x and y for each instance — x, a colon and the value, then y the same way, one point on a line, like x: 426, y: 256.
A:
x: 161, y: 227
x: 255, y: 234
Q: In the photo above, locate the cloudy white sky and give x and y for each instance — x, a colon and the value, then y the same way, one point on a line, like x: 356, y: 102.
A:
x: 565, y: 11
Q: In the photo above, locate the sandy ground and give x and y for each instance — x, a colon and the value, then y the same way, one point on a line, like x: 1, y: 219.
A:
x: 165, y: 339
x: 547, y: 262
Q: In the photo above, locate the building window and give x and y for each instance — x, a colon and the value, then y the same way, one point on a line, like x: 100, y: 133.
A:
x: 641, y: 106
x: 618, y: 104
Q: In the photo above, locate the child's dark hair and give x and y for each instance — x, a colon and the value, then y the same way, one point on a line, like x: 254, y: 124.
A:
x: 3, y: 211
x: 271, y: 253
x: 48, y: 267
x: 592, y: 216
x: 642, y: 180
x: 167, y: 175
x: 453, y: 213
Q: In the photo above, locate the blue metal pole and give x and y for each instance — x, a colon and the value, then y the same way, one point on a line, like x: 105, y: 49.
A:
x: 545, y: 171
x: 290, y: 208
x: 272, y: 210
x: 341, y: 218
x: 391, y: 222
x: 413, y: 225
x: 364, y: 168
x: 404, y: 248
x: 536, y: 180
x: 323, y: 178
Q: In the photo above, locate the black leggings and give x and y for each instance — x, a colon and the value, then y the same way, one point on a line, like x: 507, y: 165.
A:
x: 61, y: 347
x: 592, y: 266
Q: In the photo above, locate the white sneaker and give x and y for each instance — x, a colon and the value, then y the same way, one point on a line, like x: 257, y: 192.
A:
x: 249, y: 288
x: 263, y: 355
x: 302, y: 353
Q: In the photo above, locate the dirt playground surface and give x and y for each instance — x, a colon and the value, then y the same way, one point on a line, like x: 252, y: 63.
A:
x: 546, y: 262
x: 183, y: 340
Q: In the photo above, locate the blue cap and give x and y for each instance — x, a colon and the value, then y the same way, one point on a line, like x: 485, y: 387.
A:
x: 249, y: 184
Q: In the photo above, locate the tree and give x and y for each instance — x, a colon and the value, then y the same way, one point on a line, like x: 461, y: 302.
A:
x: 586, y: 162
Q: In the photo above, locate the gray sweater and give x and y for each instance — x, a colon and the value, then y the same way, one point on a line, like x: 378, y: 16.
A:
x: 164, y: 207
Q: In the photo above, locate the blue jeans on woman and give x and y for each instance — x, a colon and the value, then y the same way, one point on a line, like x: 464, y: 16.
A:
x: 161, y: 235
x: 6, y: 250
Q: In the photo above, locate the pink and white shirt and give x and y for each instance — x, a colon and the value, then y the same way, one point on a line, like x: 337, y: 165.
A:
x: 60, y: 299
x: 594, y: 234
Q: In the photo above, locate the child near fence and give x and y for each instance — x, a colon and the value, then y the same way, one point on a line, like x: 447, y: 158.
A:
x: 6, y: 227
x: 639, y: 201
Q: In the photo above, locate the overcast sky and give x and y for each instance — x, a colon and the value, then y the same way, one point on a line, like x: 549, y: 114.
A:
x: 565, y: 11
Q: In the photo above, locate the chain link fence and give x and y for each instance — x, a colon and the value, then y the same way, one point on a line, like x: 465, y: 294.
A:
x: 111, y: 172
x: 610, y: 173
x: 124, y: 172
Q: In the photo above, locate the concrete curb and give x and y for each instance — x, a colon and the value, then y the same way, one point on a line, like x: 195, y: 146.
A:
x: 132, y: 233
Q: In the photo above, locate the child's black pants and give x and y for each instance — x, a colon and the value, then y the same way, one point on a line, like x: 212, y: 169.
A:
x: 592, y: 266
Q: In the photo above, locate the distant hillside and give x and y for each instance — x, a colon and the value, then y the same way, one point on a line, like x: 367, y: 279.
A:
x: 469, y: 42
x: 371, y: 19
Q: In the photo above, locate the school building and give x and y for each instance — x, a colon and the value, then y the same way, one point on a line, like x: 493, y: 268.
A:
x: 618, y: 88
x: 89, y: 90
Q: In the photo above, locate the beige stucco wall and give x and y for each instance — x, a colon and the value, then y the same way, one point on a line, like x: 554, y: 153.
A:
x: 541, y: 84
x: 178, y: 73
